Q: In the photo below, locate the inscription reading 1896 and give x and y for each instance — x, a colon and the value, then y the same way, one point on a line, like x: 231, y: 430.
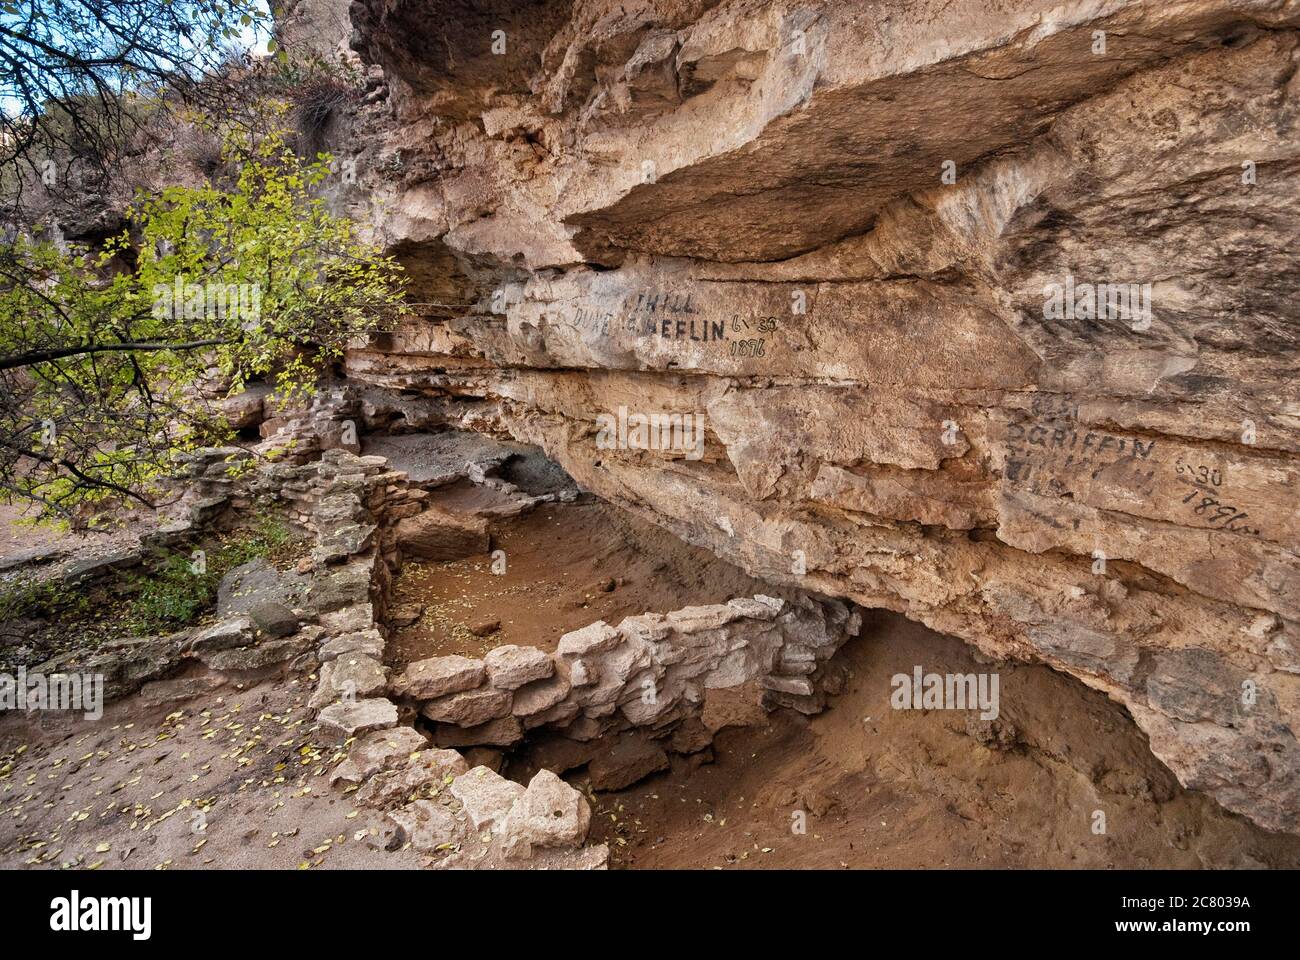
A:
x: 1050, y: 451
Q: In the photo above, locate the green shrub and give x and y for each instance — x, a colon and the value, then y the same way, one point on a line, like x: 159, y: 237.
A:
x: 172, y: 595
x: 167, y: 595
x: 47, y: 599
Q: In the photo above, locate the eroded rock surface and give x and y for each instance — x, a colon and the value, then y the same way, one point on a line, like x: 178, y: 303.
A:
x: 738, y: 212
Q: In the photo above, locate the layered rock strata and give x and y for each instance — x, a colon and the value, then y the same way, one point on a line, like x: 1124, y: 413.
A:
x: 986, y: 314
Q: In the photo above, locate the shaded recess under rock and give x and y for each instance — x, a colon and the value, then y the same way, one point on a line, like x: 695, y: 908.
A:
x: 738, y: 210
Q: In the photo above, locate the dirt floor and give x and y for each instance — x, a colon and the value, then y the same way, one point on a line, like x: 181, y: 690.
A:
x: 880, y: 787
x: 233, y: 780
x: 567, y: 565
x: 877, y: 787
x: 20, y: 536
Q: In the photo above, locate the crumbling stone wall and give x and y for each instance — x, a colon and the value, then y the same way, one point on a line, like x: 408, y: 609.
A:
x: 652, y: 671
x: 833, y: 231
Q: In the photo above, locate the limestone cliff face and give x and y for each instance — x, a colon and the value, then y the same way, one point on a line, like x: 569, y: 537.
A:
x: 864, y: 242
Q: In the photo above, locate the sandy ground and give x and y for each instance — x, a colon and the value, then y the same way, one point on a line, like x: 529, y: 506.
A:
x: 567, y: 565
x: 19, y: 535
x: 236, y: 779
x: 880, y: 787
x: 233, y: 780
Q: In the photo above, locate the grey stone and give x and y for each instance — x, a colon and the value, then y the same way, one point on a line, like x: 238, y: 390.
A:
x: 427, y: 773
x: 376, y: 751
x: 597, y: 637
x: 33, y: 556
x: 91, y: 568
x: 353, y: 619
x: 438, y: 676
x: 486, y: 796
x: 757, y: 608
x: 368, y: 643
x: 256, y: 582
x: 549, y: 814
x: 510, y: 667
x: 222, y: 636
x: 428, y: 826
x: 273, y: 618
x: 797, y: 686
x: 361, y: 716
x: 540, y: 695
x: 697, y: 619
x: 469, y: 708
x: 259, y: 656
x: 343, y: 542
x: 342, y: 586
x: 348, y: 677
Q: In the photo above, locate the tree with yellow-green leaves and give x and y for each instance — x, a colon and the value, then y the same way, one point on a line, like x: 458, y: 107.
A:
x: 100, y: 349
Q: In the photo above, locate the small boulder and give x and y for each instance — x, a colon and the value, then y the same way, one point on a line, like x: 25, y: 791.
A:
x: 257, y: 582
x: 367, y: 643
x: 225, y: 635
x: 510, y: 667
x: 353, y: 619
x: 533, y: 698
x: 357, y: 717
x: 261, y: 655
x: 486, y: 796
x: 437, y: 535
x: 427, y: 772
x: 469, y: 708
x: 377, y: 751
x: 597, y: 637
x: 273, y: 618
x: 550, y: 814
x: 348, y: 677
x: 630, y: 761
x: 501, y: 732
x: 428, y: 826
x: 92, y: 568
x: 439, y: 676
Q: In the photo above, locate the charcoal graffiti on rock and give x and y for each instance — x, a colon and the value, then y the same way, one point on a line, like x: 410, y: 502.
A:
x: 1040, y: 452
x: 1053, y: 454
x: 675, y: 317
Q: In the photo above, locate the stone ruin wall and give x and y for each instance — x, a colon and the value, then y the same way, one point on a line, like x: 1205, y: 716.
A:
x: 737, y: 210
